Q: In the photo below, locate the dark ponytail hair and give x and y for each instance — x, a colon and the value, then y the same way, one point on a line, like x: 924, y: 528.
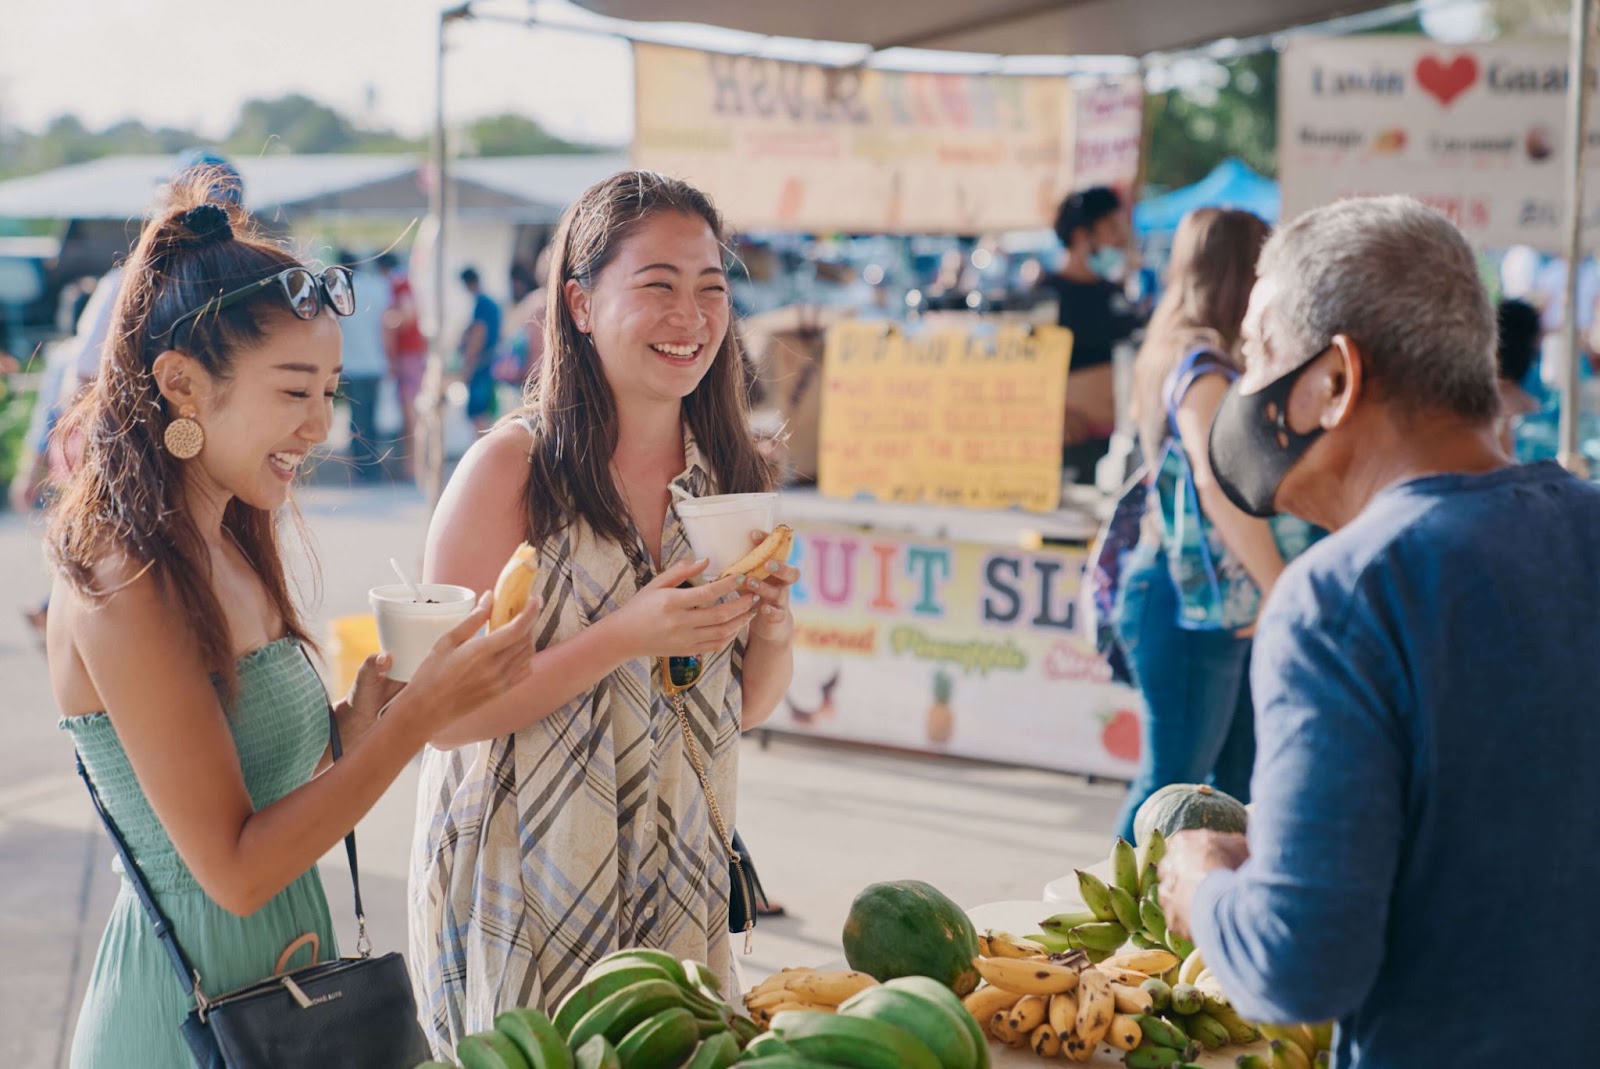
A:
x: 126, y: 493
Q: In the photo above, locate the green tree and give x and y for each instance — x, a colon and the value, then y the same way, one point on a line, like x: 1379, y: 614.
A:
x: 293, y: 123
x: 1229, y: 110
x: 1235, y: 113
x: 1531, y: 18
x: 515, y: 135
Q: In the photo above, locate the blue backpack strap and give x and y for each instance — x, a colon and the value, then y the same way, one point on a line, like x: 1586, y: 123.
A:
x: 1201, y: 360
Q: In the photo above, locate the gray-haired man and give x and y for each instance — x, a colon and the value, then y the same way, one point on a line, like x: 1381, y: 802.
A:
x: 1425, y: 679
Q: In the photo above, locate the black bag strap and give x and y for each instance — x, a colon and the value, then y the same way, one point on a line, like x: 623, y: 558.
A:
x: 188, y: 977
x: 363, y: 944
x: 158, y: 920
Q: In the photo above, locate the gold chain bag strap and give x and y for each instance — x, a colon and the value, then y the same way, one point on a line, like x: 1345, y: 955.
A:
x: 678, y: 674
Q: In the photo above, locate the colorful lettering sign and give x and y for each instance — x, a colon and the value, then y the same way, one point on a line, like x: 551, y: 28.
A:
x: 1476, y: 131
x: 799, y: 146
x: 944, y: 417
x: 954, y: 648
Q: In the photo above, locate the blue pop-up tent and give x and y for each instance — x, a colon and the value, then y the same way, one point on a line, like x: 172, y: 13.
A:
x: 1231, y: 184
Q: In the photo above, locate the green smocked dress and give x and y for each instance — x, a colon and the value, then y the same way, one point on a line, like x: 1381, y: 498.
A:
x: 134, y: 1006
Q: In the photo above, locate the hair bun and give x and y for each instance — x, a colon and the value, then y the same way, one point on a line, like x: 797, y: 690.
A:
x: 207, y: 224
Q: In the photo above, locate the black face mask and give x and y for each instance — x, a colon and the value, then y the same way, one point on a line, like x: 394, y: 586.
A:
x: 1252, y: 446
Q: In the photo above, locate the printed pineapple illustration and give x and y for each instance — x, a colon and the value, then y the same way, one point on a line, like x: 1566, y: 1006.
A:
x: 941, y: 718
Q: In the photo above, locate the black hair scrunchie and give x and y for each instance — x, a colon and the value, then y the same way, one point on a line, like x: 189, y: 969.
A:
x: 207, y: 224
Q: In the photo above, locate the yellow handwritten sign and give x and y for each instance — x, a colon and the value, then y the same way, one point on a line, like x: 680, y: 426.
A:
x: 944, y: 417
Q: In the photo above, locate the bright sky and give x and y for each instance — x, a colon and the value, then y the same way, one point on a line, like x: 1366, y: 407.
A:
x: 193, y: 62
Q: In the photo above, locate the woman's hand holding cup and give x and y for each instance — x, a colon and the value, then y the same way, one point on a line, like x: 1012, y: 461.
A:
x: 464, y: 670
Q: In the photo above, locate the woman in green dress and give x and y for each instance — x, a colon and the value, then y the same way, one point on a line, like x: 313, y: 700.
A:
x: 175, y: 647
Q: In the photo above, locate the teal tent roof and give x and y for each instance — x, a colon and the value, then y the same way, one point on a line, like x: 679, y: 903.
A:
x: 1232, y: 184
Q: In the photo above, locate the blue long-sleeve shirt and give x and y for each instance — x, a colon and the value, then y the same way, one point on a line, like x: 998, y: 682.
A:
x: 1425, y: 842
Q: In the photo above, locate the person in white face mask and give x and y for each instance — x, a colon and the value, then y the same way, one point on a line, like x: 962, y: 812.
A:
x: 1424, y: 678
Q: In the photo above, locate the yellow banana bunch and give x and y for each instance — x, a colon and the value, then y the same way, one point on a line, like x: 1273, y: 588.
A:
x: 1132, y: 999
x: 1096, y: 1007
x: 1124, y: 1033
x: 1028, y: 1014
x: 1148, y: 962
x: 511, y: 590
x: 1190, y: 970
x: 1063, y: 1015
x: 1006, y: 945
x: 1026, y: 977
x: 803, y: 989
x: 986, y: 1002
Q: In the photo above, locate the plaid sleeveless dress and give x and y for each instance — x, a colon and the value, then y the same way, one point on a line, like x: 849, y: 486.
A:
x: 539, y: 852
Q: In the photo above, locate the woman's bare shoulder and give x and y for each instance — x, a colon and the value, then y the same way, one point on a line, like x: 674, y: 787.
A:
x: 483, y: 509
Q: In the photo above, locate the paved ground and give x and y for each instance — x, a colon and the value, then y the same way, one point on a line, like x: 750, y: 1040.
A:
x: 822, y: 820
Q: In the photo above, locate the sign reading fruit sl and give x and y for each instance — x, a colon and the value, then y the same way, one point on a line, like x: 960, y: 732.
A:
x: 958, y: 648
x: 1475, y: 131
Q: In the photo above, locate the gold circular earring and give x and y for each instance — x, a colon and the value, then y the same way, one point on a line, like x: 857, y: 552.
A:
x: 184, y: 437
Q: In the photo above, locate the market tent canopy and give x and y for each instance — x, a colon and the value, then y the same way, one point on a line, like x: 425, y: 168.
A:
x: 1003, y: 27
x: 1231, y: 184
x: 527, y: 189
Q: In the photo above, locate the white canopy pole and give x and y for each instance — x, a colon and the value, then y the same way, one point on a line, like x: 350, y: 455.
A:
x: 1571, y: 456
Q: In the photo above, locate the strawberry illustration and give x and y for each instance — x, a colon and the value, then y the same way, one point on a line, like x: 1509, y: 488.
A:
x: 1121, y: 735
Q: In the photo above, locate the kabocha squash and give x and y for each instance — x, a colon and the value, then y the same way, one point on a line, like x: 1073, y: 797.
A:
x: 908, y: 928
x: 1182, y: 806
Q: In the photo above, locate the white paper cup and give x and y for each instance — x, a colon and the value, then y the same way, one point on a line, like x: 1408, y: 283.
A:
x: 719, y: 527
x: 407, y: 629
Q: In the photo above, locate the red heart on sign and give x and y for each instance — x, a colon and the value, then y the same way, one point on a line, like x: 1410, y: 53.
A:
x: 1446, y: 82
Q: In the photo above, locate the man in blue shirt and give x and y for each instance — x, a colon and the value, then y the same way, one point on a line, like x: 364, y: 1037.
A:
x: 1422, y: 851
x: 479, y: 344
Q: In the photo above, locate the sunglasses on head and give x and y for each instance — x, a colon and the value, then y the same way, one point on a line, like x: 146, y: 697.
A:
x: 303, y: 290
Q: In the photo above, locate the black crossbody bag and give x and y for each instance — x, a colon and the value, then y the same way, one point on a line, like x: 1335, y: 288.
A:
x: 354, y: 1013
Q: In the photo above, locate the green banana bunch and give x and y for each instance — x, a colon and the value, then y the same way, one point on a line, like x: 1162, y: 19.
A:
x: 1160, y: 992
x: 859, y: 1042
x: 490, y: 1050
x: 716, y: 1052
x: 1149, y: 1055
x: 536, y: 1038
x: 1126, y: 907
x: 1062, y: 923
x: 665, y: 1039
x: 1096, y: 895
x: 1125, y: 868
x: 1153, y: 920
x: 597, y: 1053
x: 1101, y: 935
x: 1187, y: 999
x: 1240, y: 1031
x: 927, y: 1010
x: 617, y: 1015
x: 1207, y: 1029
x: 1151, y: 851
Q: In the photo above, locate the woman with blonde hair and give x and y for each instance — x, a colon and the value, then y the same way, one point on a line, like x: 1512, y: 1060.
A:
x: 1202, y: 567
